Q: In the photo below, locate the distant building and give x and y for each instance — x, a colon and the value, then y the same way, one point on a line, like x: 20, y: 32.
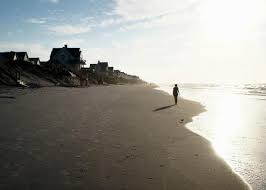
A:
x: 8, y: 57
x: 35, y: 61
x: 44, y: 63
x: 22, y: 56
x: 93, y: 67
x: 102, y: 67
x: 70, y: 58
x: 110, y: 69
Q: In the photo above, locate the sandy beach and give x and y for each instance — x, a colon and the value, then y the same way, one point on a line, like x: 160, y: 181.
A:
x: 106, y: 137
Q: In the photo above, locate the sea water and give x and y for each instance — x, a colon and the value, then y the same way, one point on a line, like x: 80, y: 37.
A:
x: 235, y: 124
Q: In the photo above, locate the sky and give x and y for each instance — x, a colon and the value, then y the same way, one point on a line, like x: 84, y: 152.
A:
x: 169, y: 41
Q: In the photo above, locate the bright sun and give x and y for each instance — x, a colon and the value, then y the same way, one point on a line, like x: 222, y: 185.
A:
x: 231, y: 19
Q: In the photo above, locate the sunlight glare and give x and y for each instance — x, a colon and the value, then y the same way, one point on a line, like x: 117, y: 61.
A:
x: 228, y: 124
x: 231, y: 19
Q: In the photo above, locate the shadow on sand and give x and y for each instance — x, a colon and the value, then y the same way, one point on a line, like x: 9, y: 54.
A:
x: 7, y: 97
x: 163, y: 108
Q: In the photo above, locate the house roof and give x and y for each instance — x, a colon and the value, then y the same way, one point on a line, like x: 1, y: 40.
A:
x: 21, y: 55
x: 34, y: 59
x: 8, y: 55
x: 103, y: 64
x: 75, y: 52
x: 93, y: 66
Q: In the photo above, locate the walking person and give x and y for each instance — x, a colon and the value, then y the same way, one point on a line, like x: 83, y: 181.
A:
x: 175, y: 93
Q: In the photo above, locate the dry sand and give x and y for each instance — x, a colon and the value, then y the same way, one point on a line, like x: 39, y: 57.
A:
x: 112, y: 138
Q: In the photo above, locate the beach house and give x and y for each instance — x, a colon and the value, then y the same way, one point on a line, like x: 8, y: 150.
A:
x: 102, y: 67
x: 68, y: 58
x: 22, y: 56
x: 110, y: 69
x: 35, y: 61
x: 93, y: 67
x: 8, y: 57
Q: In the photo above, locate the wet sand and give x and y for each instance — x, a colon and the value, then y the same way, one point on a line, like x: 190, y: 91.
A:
x: 114, y: 137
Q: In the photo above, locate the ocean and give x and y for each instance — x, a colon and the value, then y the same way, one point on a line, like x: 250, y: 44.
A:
x: 235, y: 124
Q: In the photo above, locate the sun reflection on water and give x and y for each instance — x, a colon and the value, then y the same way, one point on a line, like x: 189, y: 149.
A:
x: 227, y: 122
x: 235, y: 124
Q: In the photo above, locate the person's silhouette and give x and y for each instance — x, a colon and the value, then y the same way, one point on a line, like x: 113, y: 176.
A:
x: 175, y: 93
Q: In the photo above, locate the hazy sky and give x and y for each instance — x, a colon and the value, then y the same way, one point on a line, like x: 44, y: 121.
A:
x: 161, y: 41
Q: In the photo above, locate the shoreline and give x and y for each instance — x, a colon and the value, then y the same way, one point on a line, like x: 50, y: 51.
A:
x: 239, y: 175
x: 205, y: 110
x: 129, y: 137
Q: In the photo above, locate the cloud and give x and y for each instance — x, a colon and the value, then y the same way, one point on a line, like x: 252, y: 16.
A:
x: 71, y: 42
x: 10, y: 34
x: 37, y: 20
x: 110, y: 22
x: 54, y: 1
x: 126, y: 15
x: 68, y: 29
x: 135, y: 14
x: 138, y: 9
